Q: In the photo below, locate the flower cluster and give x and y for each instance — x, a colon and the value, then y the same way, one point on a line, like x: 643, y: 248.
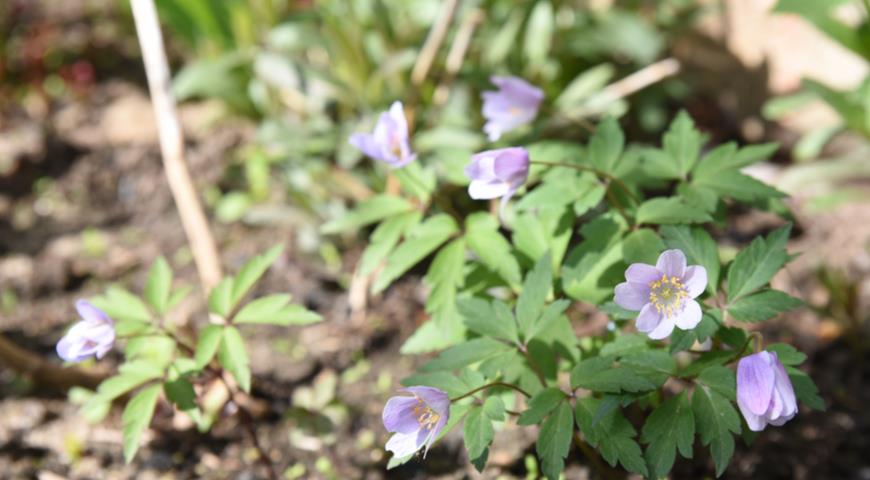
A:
x: 492, y: 173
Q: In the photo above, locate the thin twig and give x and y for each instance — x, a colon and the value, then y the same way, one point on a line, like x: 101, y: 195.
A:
x: 490, y: 385
x: 635, y: 82
x: 456, y: 54
x: 433, y: 41
x: 193, y: 219
x: 44, y: 372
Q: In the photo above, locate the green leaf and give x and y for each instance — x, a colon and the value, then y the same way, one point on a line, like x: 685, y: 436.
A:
x: 554, y: 440
x: 385, y: 238
x: 477, y: 432
x: 670, y: 210
x: 424, y: 239
x: 136, y: 418
x: 682, y: 143
x: 762, y: 306
x: 452, y: 384
x: 494, y: 251
x: 613, y: 435
x: 602, y: 374
x: 787, y: 354
x: 275, y: 310
x: 721, y: 380
x: 539, y: 33
x: 756, y: 264
x: 738, y: 186
x: 180, y: 392
x: 717, y: 421
x: 605, y: 146
x: 671, y: 426
x: 541, y: 405
x: 804, y: 389
x: 533, y: 296
x: 119, y: 304
x: 429, y: 337
x: 234, y: 357
x: 494, y: 408
x: 115, y: 386
x: 157, y: 349
x: 221, y: 297
x: 699, y: 247
x: 465, y: 354
x: 251, y: 272
x: 482, y: 317
x: 366, y: 212
x: 444, y: 278
x: 158, y: 285
x: 551, y: 316
x: 642, y: 246
x: 207, y: 344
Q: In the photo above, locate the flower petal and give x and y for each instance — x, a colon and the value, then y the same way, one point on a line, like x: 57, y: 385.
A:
x: 755, y: 422
x: 366, y: 144
x: 631, y: 296
x: 404, y: 444
x: 398, y: 415
x: 481, y: 190
x: 695, y: 280
x: 648, y: 320
x: 690, y: 317
x: 672, y: 263
x: 435, y: 398
x: 642, y: 273
x: 782, y: 384
x: 755, y: 379
x: 666, y: 326
x: 91, y: 313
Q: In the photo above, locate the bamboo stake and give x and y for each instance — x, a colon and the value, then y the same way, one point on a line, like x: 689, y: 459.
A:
x: 190, y: 210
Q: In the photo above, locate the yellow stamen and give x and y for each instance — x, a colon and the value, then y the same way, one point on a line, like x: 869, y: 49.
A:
x: 667, y: 295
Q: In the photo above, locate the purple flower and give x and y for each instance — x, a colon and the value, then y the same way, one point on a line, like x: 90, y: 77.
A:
x: 497, y: 173
x: 389, y: 142
x: 515, y: 103
x: 663, y: 293
x: 764, y: 392
x: 417, y: 420
x: 93, y: 335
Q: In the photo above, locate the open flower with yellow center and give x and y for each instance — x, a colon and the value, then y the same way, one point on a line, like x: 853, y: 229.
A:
x: 416, y: 420
x: 664, y: 294
x: 514, y: 104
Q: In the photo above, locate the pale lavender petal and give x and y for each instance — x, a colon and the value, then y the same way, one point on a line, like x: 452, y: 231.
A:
x: 366, y: 144
x: 398, y: 415
x: 518, y: 88
x: 755, y: 422
x: 493, y: 131
x: 672, y: 263
x: 695, y: 280
x: 666, y: 326
x: 397, y: 113
x: 435, y: 398
x: 482, y: 166
x: 512, y: 163
x: 435, y: 432
x: 404, y: 444
x: 690, y: 317
x: 68, y: 349
x: 642, y: 273
x: 479, y: 190
x: 631, y: 296
x: 755, y: 381
x: 91, y: 313
x: 649, y: 319
x: 782, y: 384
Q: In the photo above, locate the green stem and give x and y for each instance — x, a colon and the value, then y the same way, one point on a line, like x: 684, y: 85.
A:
x: 490, y: 385
x: 594, y: 170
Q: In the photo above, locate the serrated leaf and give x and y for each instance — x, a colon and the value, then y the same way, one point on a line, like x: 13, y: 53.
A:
x: 180, y: 392
x: 136, y: 418
x: 804, y: 389
x: 699, y: 247
x: 494, y: 408
x: 625, y: 344
x: 221, y: 297
x: 554, y: 440
x: 275, y: 310
x: 642, y: 246
x: 670, y: 210
x: 115, y: 386
x: 717, y: 422
x: 670, y: 427
x: 444, y: 278
x: 606, y: 144
x: 721, y: 380
x: 738, y: 186
x: 385, y: 238
x: 540, y: 405
x: 787, y: 354
x: 119, y: 304
x: 207, y: 344
x: 424, y: 239
x: 251, y: 272
x: 157, y: 349
x: 233, y: 356
x: 494, y: 251
x: 756, y: 264
x: 533, y: 296
x: 464, y: 354
x: 366, y: 212
x: 482, y: 317
x: 601, y: 374
x: 762, y: 306
x: 612, y: 434
x: 158, y: 285
x: 682, y: 143
x: 477, y: 432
